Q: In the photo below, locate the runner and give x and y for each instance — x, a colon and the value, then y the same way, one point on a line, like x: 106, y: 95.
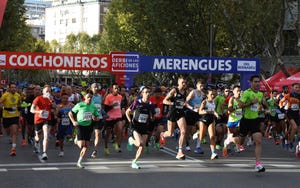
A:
x: 112, y: 106
x: 41, y: 108
x: 208, y: 112
x: 176, y: 99
x: 235, y: 115
x: 250, y: 101
x: 194, y: 99
x: 291, y: 102
x: 143, y: 113
x: 11, y: 103
x: 64, y: 125
x: 81, y: 116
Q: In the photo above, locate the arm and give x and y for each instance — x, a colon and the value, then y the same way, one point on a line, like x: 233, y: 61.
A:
x: 71, y: 116
x: 167, y: 99
x: 188, y: 99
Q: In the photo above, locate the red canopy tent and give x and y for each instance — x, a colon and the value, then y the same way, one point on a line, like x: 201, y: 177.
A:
x: 288, y: 81
x: 268, y: 84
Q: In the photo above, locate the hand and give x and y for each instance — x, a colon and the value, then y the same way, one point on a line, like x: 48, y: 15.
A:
x: 75, y: 124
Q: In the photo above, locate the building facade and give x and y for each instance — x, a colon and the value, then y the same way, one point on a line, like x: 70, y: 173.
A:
x: 66, y: 17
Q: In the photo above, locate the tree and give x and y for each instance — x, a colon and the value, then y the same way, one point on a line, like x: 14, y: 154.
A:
x: 14, y: 34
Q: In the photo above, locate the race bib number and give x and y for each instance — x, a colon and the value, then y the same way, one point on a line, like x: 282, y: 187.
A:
x: 116, y: 105
x: 87, y: 116
x: 294, y: 107
x: 254, y: 107
x: 157, y: 112
x: 143, y: 118
x: 239, y: 113
x: 179, y: 104
x: 65, y: 121
x: 280, y: 116
x: 44, y: 114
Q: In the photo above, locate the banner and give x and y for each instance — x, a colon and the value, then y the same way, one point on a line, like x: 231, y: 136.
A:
x: 2, y: 10
x: 215, y: 65
x: 56, y: 61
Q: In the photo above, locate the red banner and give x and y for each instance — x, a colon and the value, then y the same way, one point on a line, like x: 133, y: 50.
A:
x: 2, y: 10
x: 54, y: 61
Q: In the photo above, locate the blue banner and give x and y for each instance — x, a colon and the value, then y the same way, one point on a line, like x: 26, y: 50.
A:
x: 213, y: 65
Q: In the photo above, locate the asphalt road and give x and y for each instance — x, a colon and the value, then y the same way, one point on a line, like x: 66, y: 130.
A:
x: 159, y: 168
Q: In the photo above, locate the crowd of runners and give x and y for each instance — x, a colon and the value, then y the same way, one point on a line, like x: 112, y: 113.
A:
x: 228, y: 117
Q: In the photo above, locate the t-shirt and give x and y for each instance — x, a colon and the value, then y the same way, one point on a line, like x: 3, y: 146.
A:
x: 219, y: 100
x: 97, y: 101
x: 10, y: 104
x: 63, y: 114
x: 84, y: 113
x: 115, y: 101
x: 251, y: 112
x: 158, y: 103
x: 44, y: 104
x: 142, y: 111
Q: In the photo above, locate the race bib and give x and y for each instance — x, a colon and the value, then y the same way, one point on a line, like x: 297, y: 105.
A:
x: 65, y: 121
x: 157, y: 112
x: 294, y: 107
x: 87, y: 116
x: 254, y: 107
x: 143, y: 118
x: 281, y: 116
x: 239, y: 113
x: 44, y: 114
x: 116, y: 105
x: 179, y: 104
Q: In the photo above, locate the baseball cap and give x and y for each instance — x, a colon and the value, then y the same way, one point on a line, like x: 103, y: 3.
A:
x: 94, y: 85
x: 56, y: 90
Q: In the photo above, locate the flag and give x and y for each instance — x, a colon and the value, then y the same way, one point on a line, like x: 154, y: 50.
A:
x: 2, y: 10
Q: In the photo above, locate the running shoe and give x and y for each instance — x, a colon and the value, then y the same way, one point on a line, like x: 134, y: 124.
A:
x: 44, y: 156
x: 94, y: 154
x: 116, y: 147
x: 180, y: 156
x: 196, y: 135
x: 106, y: 151
x: 61, y: 154
x: 13, y: 152
x: 291, y: 148
x: 259, y: 168
x: 135, y: 165
x: 23, y: 142
x: 276, y: 142
x: 225, y: 152
x: 130, y: 143
x: 241, y: 148
x: 156, y: 145
x: 36, y: 147
x: 162, y: 140
x: 250, y: 142
x: 298, y: 151
x: 188, y: 148
x: 214, y: 156
x: 79, y: 165
x: 146, y: 149
x: 218, y: 147
x: 199, y: 150
x: 204, y: 141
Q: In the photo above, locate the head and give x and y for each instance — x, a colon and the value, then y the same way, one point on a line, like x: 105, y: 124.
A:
x: 181, y: 82
x: 285, y: 89
x: 114, y: 89
x: 226, y: 91
x: 296, y: 87
x: 157, y: 92
x: 37, y: 90
x: 95, y: 88
x: 200, y: 85
x: 88, y: 96
x: 46, y: 91
x: 145, y: 92
x: 211, y: 94
x: 12, y: 88
x: 237, y: 91
x: 64, y: 98
x: 255, y: 82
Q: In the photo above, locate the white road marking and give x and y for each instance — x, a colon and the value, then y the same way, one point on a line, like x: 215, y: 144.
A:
x: 45, y: 168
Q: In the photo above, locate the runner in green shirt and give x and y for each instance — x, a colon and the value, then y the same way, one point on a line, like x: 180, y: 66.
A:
x: 252, y: 101
x: 85, y: 112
